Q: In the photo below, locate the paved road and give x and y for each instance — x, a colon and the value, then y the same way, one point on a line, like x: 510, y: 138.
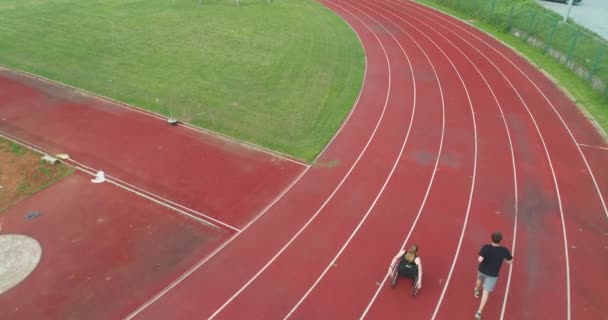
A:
x: 589, y: 13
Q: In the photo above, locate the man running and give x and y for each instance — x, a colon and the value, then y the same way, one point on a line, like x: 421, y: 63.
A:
x: 490, y: 260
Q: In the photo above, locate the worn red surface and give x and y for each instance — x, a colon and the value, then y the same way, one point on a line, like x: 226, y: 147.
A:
x: 104, y: 251
x: 539, y: 279
x: 265, y: 275
x: 517, y: 171
x: 223, y: 179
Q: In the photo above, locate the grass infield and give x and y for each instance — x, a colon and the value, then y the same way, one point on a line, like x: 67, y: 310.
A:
x: 282, y: 76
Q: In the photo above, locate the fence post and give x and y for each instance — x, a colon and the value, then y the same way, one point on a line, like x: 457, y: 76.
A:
x: 532, y: 23
x: 482, y: 8
x: 475, y: 8
x: 511, y: 14
x: 492, y: 6
x: 572, y: 45
x: 550, y: 39
x: 596, y: 61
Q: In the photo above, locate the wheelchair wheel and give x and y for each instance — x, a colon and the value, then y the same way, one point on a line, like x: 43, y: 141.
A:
x: 414, y: 287
x: 394, y: 276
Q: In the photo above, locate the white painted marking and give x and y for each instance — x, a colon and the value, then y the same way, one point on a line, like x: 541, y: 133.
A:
x: 596, y: 147
x: 159, y: 116
x: 126, y: 186
x: 516, y: 193
x: 544, y: 146
x: 470, y: 197
x: 192, y: 269
x: 324, y: 203
x: 27, y: 145
x: 205, y: 222
x: 158, y: 199
x: 99, y: 177
x: 345, y: 245
x: 19, y: 256
x: 470, y: 201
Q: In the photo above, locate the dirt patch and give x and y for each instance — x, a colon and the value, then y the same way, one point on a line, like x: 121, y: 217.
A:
x: 22, y: 173
x: 328, y: 164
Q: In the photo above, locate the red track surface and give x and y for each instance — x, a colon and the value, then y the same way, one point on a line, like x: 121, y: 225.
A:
x: 174, y: 163
x: 326, y: 258
x: 105, y: 251
x: 454, y: 136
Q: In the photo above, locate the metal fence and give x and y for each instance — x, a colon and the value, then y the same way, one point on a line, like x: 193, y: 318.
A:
x: 582, y: 52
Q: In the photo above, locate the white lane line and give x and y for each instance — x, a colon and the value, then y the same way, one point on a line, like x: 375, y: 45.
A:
x: 512, y: 151
x: 595, y: 147
x: 295, y: 236
x: 352, y: 235
x: 161, y: 117
x: 158, y: 198
x: 474, y: 177
x: 111, y: 181
x: 472, y: 191
x: 23, y: 143
x: 561, y: 210
x: 465, y: 222
x: 192, y: 269
x: 600, y: 196
x: 271, y: 153
x: 145, y: 194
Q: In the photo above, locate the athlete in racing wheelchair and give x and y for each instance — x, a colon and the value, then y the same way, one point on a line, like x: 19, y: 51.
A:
x: 407, y: 264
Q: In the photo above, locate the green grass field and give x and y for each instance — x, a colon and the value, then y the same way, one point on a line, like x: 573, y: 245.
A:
x: 282, y: 76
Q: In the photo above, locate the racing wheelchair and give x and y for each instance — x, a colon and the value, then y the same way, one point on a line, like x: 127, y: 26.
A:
x: 405, y: 269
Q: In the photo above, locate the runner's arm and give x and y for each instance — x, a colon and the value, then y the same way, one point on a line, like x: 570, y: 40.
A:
x: 509, y: 257
x: 395, y: 260
x: 419, y: 264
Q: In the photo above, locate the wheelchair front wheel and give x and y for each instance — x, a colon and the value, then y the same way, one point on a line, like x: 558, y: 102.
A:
x: 415, y: 287
x: 394, y: 277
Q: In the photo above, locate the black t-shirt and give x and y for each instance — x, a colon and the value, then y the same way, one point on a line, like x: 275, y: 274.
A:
x: 492, y: 259
x: 408, y: 269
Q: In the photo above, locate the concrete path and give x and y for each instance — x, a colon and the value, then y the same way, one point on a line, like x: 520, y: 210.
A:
x: 589, y: 13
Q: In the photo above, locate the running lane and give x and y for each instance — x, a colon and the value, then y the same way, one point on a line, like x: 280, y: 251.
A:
x: 292, y: 270
x: 446, y: 148
x: 446, y: 212
x: 597, y: 155
x: 495, y: 204
x: 215, y: 177
x: 563, y: 222
x: 212, y: 282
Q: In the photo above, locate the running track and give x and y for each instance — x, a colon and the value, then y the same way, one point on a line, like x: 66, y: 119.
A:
x: 453, y: 136
x: 137, y: 150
